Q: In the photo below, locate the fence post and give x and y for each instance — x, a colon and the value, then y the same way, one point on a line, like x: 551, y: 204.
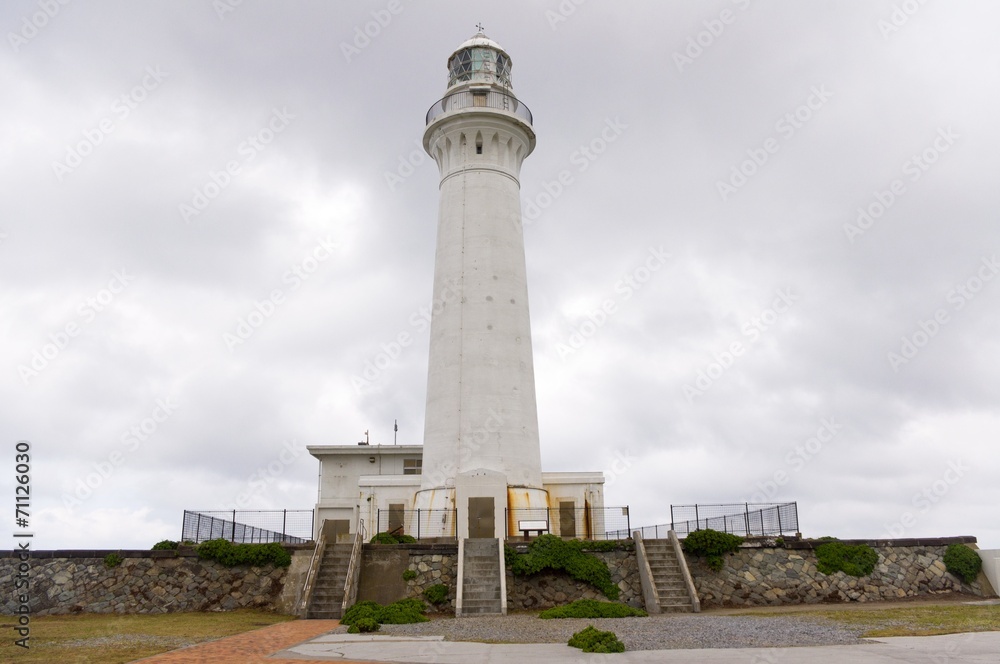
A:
x: 628, y: 523
x: 697, y: 523
x: 232, y: 531
x: 780, y: 529
x: 284, y: 520
x: 418, y: 523
x: 378, y: 519
x: 672, y: 519
x: 795, y: 507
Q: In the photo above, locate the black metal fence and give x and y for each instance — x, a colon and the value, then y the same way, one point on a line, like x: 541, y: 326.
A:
x: 744, y: 519
x: 421, y: 524
x: 248, y: 526
x: 492, y: 99
x: 574, y: 522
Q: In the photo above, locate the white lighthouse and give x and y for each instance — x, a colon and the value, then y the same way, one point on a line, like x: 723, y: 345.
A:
x: 478, y: 473
x: 481, y: 448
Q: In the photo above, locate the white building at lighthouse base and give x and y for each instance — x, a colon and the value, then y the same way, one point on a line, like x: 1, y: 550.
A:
x: 379, y: 486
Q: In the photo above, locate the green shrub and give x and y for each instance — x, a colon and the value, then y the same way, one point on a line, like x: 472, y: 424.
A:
x: 711, y: 545
x: 779, y: 542
x: 364, y: 625
x: 592, y: 608
x: 594, y: 640
x: 112, y: 560
x: 855, y: 560
x: 405, y: 611
x: 409, y: 575
x: 226, y: 553
x: 550, y: 552
x: 388, y: 538
x: 165, y: 545
x: 436, y: 594
x: 963, y: 562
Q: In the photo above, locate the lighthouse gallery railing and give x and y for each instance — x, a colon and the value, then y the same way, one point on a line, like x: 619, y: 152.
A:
x: 490, y: 99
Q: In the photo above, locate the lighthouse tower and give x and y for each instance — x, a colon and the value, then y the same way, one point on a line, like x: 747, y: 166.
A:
x: 481, y: 450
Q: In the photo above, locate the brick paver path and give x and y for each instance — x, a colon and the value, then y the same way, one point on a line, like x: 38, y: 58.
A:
x: 249, y: 647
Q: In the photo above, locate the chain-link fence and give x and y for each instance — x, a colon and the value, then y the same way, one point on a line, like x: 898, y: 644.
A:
x: 591, y: 523
x: 421, y: 524
x: 744, y: 519
x: 248, y: 526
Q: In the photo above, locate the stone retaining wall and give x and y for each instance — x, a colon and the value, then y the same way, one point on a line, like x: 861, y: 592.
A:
x: 553, y: 588
x: 768, y: 576
x: 148, y: 582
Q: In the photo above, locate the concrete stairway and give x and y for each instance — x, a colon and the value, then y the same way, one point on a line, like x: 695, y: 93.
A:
x: 328, y: 595
x: 667, y: 576
x: 481, y: 577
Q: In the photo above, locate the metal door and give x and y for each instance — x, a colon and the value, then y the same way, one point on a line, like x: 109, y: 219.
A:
x: 481, y: 517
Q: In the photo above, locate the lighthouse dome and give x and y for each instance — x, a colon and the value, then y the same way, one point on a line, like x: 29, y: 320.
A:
x: 479, y: 59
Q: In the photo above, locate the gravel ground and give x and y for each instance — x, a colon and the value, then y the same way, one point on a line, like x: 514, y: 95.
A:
x: 653, y: 633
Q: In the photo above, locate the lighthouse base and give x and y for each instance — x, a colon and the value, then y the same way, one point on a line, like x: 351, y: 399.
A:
x: 485, y: 506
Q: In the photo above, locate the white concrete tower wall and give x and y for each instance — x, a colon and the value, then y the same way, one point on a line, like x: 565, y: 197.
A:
x: 481, y: 410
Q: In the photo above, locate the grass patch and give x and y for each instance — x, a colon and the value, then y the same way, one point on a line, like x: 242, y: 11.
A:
x: 907, y: 621
x: 592, y: 608
x: 116, y: 639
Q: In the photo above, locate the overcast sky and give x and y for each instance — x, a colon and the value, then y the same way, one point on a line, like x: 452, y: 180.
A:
x: 761, y: 241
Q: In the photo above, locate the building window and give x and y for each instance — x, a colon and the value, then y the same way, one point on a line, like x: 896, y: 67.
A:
x: 412, y: 466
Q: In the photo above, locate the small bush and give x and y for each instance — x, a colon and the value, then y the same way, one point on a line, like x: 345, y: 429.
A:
x: 551, y: 552
x: 112, y: 560
x: 364, y: 625
x: 855, y: 560
x: 165, y: 545
x: 712, y: 545
x: 226, y: 553
x: 436, y: 594
x: 592, y: 608
x: 388, y: 538
x: 405, y: 611
x: 779, y: 542
x: 963, y: 562
x: 594, y: 640
x: 409, y: 575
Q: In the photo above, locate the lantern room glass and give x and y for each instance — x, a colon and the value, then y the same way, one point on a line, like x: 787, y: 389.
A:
x: 478, y: 62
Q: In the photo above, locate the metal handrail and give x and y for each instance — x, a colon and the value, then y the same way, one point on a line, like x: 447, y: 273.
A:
x: 354, y: 569
x: 313, y: 572
x: 491, y: 99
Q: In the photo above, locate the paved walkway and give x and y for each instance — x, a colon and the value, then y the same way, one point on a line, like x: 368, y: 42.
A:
x: 972, y: 648
x: 250, y: 647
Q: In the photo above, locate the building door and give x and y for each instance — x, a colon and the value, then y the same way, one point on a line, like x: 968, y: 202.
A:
x: 481, y: 517
x: 335, y: 528
x: 395, y: 518
x: 567, y: 519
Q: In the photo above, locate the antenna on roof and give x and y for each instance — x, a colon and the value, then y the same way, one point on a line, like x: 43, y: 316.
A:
x: 395, y: 429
